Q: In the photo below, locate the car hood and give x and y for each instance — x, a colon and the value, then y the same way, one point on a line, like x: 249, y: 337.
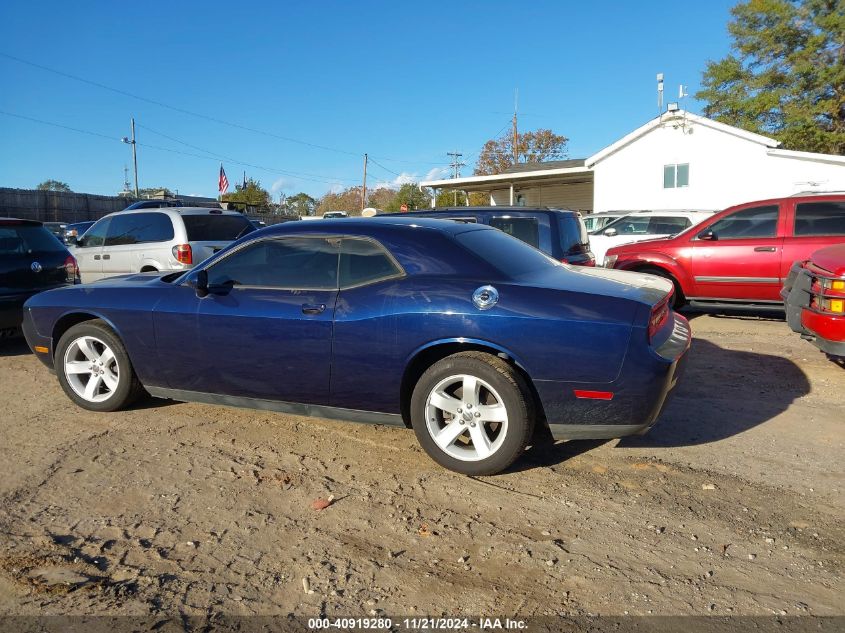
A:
x: 831, y: 259
x: 622, y: 284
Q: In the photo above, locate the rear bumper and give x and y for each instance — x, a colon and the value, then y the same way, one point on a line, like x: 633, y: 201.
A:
x: 639, y: 394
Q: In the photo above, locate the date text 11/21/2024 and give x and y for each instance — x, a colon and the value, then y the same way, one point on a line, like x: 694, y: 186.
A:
x: 417, y: 624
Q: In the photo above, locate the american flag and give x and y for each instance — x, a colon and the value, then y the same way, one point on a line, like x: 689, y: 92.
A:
x: 222, y: 181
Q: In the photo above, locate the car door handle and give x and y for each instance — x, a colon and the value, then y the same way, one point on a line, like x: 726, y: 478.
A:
x: 313, y: 308
x: 764, y: 249
x: 96, y: 257
x: 106, y: 256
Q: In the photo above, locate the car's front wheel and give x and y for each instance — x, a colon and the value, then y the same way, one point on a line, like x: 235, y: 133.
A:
x: 94, y: 369
x: 471, y: 412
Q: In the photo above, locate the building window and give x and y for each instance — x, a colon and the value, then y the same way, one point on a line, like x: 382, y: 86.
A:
x: 675, y: 176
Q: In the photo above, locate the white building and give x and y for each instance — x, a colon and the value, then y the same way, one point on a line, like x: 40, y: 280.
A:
x: 676, y: 161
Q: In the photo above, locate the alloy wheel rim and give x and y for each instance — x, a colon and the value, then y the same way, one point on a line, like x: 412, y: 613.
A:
x: 91, y: 369
x: 466, y: 417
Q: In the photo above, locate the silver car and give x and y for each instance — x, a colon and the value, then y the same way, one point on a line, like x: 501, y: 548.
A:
x: 146, y: 240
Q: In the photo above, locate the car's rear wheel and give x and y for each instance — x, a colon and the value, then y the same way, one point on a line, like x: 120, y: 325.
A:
x: 472, y: 414
x: 94, y: 369
x: 678, y: 299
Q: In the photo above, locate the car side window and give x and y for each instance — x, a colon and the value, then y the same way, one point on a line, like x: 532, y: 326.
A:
x: 364, y: 261
x: 748, y: 223
x: 463, y: 220
x: 96, y: 235
x: 633, y: 226
x: 658, y: 225
x: 139, y: 228
x: 820, y: 218
x: 525, y: 229
x: 293, y: 263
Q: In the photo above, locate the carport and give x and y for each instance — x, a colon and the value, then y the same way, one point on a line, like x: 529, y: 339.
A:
x: 563, y: 183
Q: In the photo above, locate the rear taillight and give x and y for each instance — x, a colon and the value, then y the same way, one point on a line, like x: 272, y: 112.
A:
x: 183, y: 253
x: 659, y: 316
x: 71, y: 269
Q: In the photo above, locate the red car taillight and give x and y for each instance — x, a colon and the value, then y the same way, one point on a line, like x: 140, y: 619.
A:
x: 183, y: 253
x: 659, y: 316
x: 71, y: 269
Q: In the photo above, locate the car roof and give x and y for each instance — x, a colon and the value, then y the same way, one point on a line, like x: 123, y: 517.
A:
x: 364, y: 226
x: 178, y: 211
x: 669, y: 214
x: 510, y: 210
x: 19, y: 222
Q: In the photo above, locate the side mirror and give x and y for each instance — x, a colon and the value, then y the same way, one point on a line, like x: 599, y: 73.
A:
x: 610, y: 232
x: 708, y: 235
x: 201, y: 284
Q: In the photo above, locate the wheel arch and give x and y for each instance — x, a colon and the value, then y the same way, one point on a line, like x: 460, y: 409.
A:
x: 668, y: 265
x: 424, y: 357
x: 69, y: 319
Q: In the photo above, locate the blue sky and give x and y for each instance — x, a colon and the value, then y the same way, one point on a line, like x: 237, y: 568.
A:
x: 405, y: 82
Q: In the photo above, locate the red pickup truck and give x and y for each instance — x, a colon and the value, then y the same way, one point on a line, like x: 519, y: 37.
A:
x: 742, y: 255
x: 814, y: 295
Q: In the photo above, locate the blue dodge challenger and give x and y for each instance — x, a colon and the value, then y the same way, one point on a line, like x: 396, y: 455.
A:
x: 463, y: 333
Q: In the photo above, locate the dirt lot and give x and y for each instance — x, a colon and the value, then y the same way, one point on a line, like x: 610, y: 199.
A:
x: 733, y: 504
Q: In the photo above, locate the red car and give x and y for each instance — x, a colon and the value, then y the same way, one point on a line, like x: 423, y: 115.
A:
x: 814, y: 295
x: 742, y: 255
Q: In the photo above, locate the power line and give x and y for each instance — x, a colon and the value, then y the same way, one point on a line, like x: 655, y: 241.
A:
x: 384, y: 168
x: 324, y: 180
x: 167, y: 106
x: 240, y: 162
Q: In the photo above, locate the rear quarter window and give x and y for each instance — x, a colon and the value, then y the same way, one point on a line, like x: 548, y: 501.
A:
x: 820, y: 218
x: 512, y: 257
x: 525, y: 229
x: 216, y: 228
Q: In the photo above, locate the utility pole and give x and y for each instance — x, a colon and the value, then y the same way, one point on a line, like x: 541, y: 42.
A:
x: 515, y: 134
x: 456, y: 165
x: 134, y: 153
x: 364, y: 190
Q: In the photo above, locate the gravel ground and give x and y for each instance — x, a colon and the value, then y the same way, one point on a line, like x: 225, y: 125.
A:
x: 731, y: 505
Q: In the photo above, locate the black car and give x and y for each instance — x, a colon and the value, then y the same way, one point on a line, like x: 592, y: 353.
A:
x: 31, y: 260
x: 558, y: 232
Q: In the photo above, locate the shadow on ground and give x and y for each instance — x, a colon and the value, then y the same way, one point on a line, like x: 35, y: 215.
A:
x: 14, y: 346
x: 723, y: 393
x: 749, y: 314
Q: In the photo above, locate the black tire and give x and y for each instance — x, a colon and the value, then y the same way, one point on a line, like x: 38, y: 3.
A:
x: 511, y: 390
x: 127, y: 387
x: 678, y: 298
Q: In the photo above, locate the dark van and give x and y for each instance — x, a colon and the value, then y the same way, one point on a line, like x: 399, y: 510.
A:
x: 558, y: 232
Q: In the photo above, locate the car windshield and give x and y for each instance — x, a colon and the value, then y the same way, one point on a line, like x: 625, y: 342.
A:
x: 216, y: 228
x: 24, y: 239
x: 509, y: 255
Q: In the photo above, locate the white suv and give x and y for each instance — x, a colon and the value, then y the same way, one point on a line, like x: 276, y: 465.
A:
x: 643, y: 225
x: 149, y: 240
